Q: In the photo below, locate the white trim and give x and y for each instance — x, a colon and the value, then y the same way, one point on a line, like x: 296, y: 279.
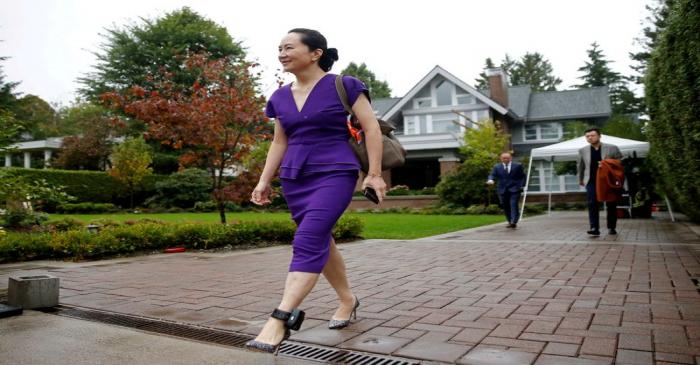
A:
x: 406, y: 129
x: 429, y: 123
x: 463, y: 123
x: 538, y: 133
x: 437, y: 70
x: 559, y: 180
x: 457, y: 96
x: 416, y: 102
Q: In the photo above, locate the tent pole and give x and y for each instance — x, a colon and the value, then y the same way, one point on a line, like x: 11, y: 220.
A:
x: 549, y: 197
x: 670, y: 211
x: 527, y: 184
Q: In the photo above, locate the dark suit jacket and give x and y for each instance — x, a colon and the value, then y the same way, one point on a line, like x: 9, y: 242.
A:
x: 512, y: 182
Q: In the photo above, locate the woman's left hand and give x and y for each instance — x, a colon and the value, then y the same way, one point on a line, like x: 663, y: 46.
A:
x: 377, y: 183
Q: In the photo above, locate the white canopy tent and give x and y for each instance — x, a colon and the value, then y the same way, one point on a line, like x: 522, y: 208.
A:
x: 568, y: 151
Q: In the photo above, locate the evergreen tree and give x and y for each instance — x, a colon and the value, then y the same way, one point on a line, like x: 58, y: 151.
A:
x: 534, y: 70
x: 483, y: 81
x: 8, y: 96
x: 597, y: 72
x: 650, y: 34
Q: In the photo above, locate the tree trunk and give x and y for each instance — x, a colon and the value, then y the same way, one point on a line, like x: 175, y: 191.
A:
x: 222, y: 211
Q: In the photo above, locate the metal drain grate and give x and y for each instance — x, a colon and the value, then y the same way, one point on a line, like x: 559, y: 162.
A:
x: 158, y: 326
x: 228, y: 338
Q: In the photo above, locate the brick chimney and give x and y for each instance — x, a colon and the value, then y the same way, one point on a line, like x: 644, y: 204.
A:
x: 498, y: 83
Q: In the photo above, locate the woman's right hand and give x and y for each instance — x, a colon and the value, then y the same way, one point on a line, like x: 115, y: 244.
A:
x: 261, y: 194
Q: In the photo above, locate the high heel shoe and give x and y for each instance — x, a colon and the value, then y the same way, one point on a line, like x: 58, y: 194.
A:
x: 292, y: 321
x: 336, y: 324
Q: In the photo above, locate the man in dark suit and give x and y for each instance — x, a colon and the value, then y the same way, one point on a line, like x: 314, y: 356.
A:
x: 511, y: 179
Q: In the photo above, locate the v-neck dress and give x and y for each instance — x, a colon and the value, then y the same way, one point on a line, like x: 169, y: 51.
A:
x: 319, y: 169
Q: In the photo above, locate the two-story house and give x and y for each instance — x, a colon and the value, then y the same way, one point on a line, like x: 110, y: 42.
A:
x: 431, y: 120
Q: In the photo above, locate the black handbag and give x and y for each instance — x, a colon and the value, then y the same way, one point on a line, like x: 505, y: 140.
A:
x: 393, y: 154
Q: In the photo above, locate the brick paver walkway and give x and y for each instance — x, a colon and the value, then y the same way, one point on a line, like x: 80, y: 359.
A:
x: 542, y: 294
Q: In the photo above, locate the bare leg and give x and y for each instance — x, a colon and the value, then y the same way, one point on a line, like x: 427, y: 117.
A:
x: 335, y: 273
x: 296, y: 288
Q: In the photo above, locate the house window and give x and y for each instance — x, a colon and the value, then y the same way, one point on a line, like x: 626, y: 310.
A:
x: 445, y: 125
x: 534, y: 183
x: 542, y: 131
x: 551, y: 179
x: 422, y: 103
x: 549, y: 131
x: 571, y: 183
x: 482, y: 115
x: 465, y: 100
x: 443, y: 90
x: 411, y: 125
x: 530, y: 132
x: 543, y: 171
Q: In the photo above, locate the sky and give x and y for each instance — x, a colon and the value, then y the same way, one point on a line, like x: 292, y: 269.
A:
x: 51, y: 43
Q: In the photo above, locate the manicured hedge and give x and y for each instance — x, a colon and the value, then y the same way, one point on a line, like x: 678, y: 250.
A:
x: 79, y: 244
x: 672, y: 87
x: 85, y: 208
x: 90, y: 186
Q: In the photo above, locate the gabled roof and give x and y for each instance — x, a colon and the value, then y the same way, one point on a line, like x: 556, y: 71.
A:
x: 429, y: 77
x: 579, y: 103
x: 523, y: 103
x: 549, y: 105
x: 380, y: 106
x: 518, y: 99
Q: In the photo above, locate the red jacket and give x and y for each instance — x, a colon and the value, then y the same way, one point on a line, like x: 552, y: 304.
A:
x: 609, y: 181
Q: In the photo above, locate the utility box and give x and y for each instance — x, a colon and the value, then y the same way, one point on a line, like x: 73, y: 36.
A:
x: 29, y: 292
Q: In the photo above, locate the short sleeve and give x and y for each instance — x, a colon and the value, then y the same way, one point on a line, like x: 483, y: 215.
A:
x: 354, y: 88
x: 270, y: 109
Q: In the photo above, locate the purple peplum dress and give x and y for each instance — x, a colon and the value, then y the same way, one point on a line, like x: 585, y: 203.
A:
x: 319, y: 169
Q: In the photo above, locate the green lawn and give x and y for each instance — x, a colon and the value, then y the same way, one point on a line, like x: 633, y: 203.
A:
x: 390, y: 226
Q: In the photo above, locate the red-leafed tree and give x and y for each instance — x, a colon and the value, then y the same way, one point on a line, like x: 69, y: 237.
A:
x: 215, y: 122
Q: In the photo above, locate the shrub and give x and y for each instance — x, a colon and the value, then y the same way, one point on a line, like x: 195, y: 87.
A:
x: 105, y: 223
x: 347, y: 228
x: 427, y: 191
x: 87, y: 186
x: 398, y: 190
x: 147, y: 236
x: 466, y: 185
x: 22, y: 219
x: 446, y: 209
x: 76, y: 244
x: 484, y: 209
x: 25, y: 246
x: 535, y: 208
x: 66, y: 224
x: 183, y: 189
x: 86, y: 208
x: 205, y: 206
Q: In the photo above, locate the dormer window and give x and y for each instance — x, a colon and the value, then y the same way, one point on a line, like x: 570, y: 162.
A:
x: 443, y: 92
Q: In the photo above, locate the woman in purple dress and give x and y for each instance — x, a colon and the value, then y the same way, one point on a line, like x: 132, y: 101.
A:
x: 318, y: 170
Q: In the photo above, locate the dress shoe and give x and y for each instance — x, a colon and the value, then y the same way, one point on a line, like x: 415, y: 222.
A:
x: 612, y: 231
x: 292, y: 321
x: 593, y: 232
x: 336, y: 324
